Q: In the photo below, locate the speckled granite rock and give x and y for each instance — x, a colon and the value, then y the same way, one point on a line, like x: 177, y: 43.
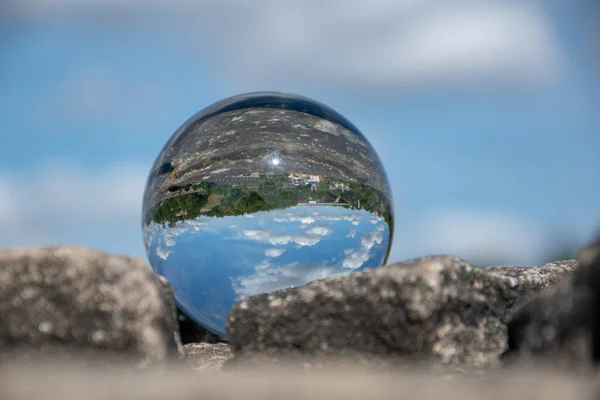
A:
x: 82, y: 302
x: 563, y: 325
x: 438, y: 309
x: 207, y: 356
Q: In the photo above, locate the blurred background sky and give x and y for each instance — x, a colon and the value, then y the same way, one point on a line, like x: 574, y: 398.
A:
x: 484, y: 113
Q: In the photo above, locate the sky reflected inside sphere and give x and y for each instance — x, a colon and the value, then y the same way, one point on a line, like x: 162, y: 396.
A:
x: 261, y: 192
x: 217, y: 260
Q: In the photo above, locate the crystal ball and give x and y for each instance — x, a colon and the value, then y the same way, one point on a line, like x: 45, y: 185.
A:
x: 260, y: 192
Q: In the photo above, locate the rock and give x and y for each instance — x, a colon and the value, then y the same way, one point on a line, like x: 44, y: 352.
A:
x: 562, y: 325
x: 207, y: 356
x: 429, y: 309
x: 71, y: 301
x: 171, y: 315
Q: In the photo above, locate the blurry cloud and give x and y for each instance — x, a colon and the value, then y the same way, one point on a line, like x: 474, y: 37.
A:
x: 383, y: 43
x: 274, y: 252
x: 375, y: 43
x: 481, y: 237
x: 7, y: 212
x: 91, y: 94
x: 66, y: 203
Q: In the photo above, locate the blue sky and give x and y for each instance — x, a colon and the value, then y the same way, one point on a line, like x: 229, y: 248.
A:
x: 483, y: 113
x: 211, y: 262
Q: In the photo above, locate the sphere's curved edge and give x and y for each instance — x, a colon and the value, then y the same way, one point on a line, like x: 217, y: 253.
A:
x: 213, y: 167
x: 274, y: 99
x: 200, y: 320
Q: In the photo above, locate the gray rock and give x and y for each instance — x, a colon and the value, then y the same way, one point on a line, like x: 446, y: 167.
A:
x: 71, y: 301
x: 432, y: 308
x: 207, y: 356
x: 563, y: 324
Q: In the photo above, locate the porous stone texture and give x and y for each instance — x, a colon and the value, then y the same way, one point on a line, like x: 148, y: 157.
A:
x: 72, y: 300
x: 562, y: 325
x: 207, y: 356
x: 438, y: 309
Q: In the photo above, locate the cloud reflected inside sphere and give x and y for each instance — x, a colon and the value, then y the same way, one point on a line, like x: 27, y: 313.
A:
x: 261, y: 192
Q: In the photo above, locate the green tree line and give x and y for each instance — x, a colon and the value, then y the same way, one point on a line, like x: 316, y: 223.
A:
x: 266, y: 193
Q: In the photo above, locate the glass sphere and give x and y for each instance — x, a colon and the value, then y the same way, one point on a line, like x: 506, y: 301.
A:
x: 260, y: 192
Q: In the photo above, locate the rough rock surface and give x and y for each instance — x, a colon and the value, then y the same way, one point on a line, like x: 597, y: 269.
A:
x: 71, y: 300
x: 564, y: 323
x: 207, y: 356
x: 437, y: 309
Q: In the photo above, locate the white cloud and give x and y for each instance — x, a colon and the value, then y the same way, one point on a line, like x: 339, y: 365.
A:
x: 369, y: 239
x: 319, y: 230
x: 377, y: 43
x: 196, y: 224
x: 304, y: 220
x: 263, y: 266
x: 268, y: 277
x: 352, y: 233
x: 92, y: 94
x: 480, y: 236
x: 66, y: 203
x: 273, y: 238
x: 391, y: 43
x: 149, y: 232
x: 274, y: 252
x: 354, y: 219
x: 163, y: 252
x: 169, y: 235
x: 355, y: 258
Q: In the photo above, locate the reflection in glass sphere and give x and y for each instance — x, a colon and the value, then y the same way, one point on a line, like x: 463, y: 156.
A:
x: 260, y: 192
